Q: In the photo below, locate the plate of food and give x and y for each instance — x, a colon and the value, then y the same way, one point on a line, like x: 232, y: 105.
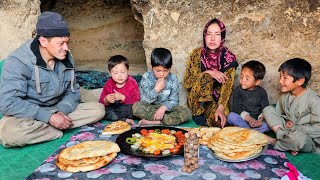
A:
x: 152, y: 141
x: 235, y: 144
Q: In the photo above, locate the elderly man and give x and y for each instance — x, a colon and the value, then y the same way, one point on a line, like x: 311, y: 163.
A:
x: 39, y: 93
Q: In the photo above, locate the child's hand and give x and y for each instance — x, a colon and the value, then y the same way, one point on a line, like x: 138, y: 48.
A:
x: 259, y: 122
x: 131, y: 122
x: 109, y: 99
x: 160, y: 84
x: 158, y: 116
x: 118, y: 96
x: 289, y: 124
x: 251, y: 121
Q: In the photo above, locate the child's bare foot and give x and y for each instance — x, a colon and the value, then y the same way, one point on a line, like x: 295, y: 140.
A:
x: 272, y: 141
x: 144, y: 122
x: 294, y: 153
x: 148, y: 122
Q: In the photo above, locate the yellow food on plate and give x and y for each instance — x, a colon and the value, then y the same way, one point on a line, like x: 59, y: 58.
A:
x: 154, y: 141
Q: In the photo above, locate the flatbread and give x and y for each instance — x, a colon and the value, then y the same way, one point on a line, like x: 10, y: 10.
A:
x: 204, y: 133
x: 117, y: 127
x: 89, y: 149
x: 84, y: 165
x: 87, y: 156
x: 235, y: 143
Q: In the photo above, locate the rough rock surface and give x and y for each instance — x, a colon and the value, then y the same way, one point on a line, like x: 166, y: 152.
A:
x: 269, y: 31
x: 101, y: 29
x: 17, y: 23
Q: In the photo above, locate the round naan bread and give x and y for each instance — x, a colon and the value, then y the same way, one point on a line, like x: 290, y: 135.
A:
x: 87, y: 156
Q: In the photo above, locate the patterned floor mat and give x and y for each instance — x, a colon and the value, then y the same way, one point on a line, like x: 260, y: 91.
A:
x: 267, y: 166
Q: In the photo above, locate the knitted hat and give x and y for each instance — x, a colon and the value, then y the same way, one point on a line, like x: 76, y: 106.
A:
x: 51, y: 24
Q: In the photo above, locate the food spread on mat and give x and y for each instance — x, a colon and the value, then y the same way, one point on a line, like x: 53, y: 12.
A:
x: 230, y: 143
x: 116, y: 127
x: 156, y: 141
x: 87, y: 156
x: 235, y: 143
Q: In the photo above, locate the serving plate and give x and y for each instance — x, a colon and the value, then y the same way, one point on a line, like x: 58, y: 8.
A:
x: 126, y: 148
x: 239, y: 160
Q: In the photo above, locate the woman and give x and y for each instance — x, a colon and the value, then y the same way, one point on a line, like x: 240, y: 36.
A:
x: 209, y: 77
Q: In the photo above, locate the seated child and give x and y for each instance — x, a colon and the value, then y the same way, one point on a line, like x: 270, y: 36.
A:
x: 248, y: 99
x: 120, y: 91
x: 159, y: 90
x: 296, y: 117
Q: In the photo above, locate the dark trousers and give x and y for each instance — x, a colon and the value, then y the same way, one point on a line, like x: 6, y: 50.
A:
x: 117, y: 111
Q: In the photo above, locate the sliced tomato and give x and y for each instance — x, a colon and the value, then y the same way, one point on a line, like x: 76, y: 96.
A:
x: 143, y: 131
x: 156, y: 152
x: 165, y: 131
x: 180, y: 143
x: 151, y: 131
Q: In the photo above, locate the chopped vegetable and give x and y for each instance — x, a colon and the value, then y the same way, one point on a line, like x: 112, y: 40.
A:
x: 131, y: 140
x: 157, y: 131
x: 156, y: 152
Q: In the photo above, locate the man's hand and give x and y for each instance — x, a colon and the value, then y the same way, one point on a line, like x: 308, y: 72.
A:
x: 118, y: 96
x: 60, y: 121
x: 160, y: 84
x: 158, y: 116
x: 217, y: 75
x: 219, y: 114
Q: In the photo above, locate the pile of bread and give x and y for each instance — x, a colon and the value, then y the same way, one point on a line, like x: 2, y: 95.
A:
x: 87, y: 156
x: 204, y: 133
x: 235, y: 143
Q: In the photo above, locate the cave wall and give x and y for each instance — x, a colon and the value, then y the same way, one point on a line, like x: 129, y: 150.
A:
x: 100, y: 29
x: 268, y: 31
x: 17, y: 23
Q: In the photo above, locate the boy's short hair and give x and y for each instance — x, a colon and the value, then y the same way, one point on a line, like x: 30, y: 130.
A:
x: 297, y: 68
x: 259, y: 70
x: 117, y: 59
x: 161, y: 57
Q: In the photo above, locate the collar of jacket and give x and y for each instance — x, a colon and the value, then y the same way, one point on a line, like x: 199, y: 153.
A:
x: 40, y: 62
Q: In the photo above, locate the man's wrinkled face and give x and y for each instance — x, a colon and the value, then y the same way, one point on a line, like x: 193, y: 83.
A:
x: 57, y: 47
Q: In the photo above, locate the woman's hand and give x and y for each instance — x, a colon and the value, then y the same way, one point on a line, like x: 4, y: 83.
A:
x: 217, y: 75
x: 219, y: 114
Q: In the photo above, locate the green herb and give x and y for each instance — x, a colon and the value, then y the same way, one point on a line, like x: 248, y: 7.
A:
x: 131, y: 140
x: 158, y: 131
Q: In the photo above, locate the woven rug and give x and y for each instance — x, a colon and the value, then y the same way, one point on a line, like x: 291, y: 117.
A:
x: 270, y: 165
